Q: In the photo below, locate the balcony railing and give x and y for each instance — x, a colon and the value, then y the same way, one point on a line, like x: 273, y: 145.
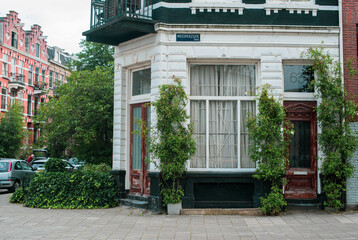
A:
x: 16, y: 82
x: 103, y: 11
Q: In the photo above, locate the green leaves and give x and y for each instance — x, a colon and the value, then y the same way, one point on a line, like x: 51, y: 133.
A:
x: 81, y: 118
x: 11, y: 131
x: 334, y: 113
x: 270, y: 136
x: 170, y: 140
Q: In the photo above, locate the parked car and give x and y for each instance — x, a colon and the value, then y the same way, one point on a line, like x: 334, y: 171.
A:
x: 13, y: 173
x: 39, y: 165
x: 40, y: 154
x: 77, y: 163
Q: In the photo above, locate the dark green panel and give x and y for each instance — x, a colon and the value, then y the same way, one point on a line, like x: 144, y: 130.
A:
x: 327, y: 2
x: 254, y: 1
x: 250, y: 16
x: 172, y: 1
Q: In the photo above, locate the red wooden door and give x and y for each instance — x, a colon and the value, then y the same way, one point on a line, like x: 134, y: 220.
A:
x: 302, y: 169
x: 139, y: 180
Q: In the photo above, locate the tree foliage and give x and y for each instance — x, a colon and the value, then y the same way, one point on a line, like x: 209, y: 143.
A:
x: 270, y: 133
x: 11, y: 131
x: 170, y: 140
x: 81, y: 117
x: 336, y: 140
x: 93, y: 55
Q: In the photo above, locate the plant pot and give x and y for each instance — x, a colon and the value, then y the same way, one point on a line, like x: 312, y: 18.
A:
x: 174, y: 208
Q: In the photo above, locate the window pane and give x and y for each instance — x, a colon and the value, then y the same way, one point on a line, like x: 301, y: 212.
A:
x: 300, y: 150
x: 198, y: 118
x: 223, y: 134
x: 298, y: 78
x: 222, y: 80
x: 137, y: 139
x: 141, y: 82
x: 248, y: 109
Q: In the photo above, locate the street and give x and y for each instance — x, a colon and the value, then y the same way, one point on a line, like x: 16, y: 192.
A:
x: 18, y: 222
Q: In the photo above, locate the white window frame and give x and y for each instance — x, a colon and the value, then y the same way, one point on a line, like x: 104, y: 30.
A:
x: 31, y: 75
x: 140, y: 97
x: 3, y: 99
x: 239, y: 99
x: 13, y: 69
x: 5, y: 66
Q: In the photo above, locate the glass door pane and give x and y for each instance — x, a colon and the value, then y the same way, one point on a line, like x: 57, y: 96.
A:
x: 137, y: 139
x: 300, y: 146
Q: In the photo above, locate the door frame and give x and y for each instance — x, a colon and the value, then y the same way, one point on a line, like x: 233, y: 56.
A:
x: 298, y: 177
x: 138, y: 180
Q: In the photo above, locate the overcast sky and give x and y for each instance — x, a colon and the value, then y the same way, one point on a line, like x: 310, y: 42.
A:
x: 61, y: 21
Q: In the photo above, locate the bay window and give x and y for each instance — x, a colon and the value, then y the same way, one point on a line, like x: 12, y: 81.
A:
x: 221, y: 99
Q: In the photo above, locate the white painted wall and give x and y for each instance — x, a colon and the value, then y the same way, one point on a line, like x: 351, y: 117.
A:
x: 267, y: 46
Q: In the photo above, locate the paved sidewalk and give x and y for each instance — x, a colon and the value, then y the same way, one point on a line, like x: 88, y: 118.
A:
x: 18, y: 222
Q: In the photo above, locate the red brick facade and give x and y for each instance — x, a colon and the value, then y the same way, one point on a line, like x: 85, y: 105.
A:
x: 350, y: 51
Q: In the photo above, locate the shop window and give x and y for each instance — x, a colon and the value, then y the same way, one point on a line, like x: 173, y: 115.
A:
x: 298, y: 78
x: 141, y: 81
x: 221, y: 99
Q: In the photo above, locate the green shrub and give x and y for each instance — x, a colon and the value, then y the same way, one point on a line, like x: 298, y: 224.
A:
x: 102, y: 167
x: 80, y: 189
x: 55, y: 165
x: 19, y: 195
x: 273, y: 203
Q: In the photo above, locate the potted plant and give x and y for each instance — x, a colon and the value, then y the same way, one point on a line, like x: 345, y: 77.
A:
x: 170, y: 142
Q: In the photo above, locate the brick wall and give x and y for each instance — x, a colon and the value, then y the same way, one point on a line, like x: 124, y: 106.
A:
x: 352, y: 183
x: 350, y: 21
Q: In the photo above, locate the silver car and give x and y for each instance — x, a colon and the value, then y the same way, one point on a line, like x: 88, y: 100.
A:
x: 13, y: 173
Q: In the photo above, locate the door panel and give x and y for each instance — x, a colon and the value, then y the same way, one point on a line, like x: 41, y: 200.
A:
x: 139, y: 181
x: 301, y: 173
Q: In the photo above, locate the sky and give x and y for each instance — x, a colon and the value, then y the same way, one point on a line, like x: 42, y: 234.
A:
x: 61, y: 21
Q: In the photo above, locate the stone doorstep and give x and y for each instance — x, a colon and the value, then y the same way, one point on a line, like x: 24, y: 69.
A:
x: 219, y: 211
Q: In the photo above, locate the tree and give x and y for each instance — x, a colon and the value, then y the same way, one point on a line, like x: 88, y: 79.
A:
x: 334, y: 113
x: 11, y: 131
x: 93, y: 55
x: 81, y: 117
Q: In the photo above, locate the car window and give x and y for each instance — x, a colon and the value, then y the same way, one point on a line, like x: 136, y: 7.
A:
x: 26, y: 166
x: 37, y: 165
x: 4, y: 166
x: 40, y: 154
x: 18, y: 166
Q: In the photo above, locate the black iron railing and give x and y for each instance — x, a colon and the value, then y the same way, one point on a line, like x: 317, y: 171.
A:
x: 103, y: 11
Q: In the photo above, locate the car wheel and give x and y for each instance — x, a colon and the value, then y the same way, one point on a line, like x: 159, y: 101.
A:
x: 14, y: 187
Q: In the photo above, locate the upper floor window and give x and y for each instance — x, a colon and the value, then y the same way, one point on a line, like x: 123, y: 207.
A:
x: 50, y: 81
x: 3, y: 98
x: 29, y: 105
x: 5, y: 65
x: 13, y: 69
x: 298, y: 78
x: 37, y: 50
x: 221, y: 99
x: 141, y: 81
x: 14, y: 39
x: 27, y: 44
x: 43, y: 76
x: 21, y: 68
x: 37, y: 72
x: 30, y: 74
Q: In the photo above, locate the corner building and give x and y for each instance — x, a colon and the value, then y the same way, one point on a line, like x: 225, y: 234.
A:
x: 222, y: 50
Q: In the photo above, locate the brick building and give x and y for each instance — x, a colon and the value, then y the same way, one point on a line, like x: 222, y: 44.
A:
x: 350, y: 53
x: 26, y: 69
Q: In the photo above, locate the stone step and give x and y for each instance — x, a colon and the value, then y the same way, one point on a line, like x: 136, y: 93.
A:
x: 134, y: 203
x: 221, y: 211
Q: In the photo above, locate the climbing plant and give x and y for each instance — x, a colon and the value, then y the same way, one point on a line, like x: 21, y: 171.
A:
x: 270, y: 134
x: 336, y: 140
x: 170, y: 139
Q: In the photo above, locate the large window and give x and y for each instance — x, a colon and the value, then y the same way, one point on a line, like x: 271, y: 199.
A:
x: 38, y: 50
x: 3, y: 99
x: 37, y: 73
x: 30, y: 74
x: 5, y: 65
x: 50, y: 81
x: 141, y: 82
x: 29, y: 105
x: 298, y: 78
x: 14, y: 39
x: 221, y: 99
x: 13, y: 69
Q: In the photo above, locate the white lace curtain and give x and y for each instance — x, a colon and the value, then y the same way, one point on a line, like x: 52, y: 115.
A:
x: 221, y: 80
